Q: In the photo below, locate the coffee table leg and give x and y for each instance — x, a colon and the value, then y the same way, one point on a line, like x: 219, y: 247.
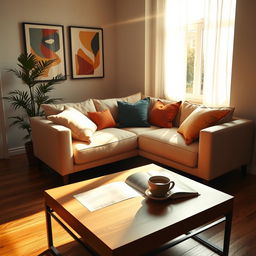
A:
x: 227, y: 234
x: 51, y: 247
x: 48, y: 226
x: 195, y: 235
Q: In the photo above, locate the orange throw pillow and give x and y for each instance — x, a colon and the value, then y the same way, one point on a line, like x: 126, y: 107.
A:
x: 103, y: 119
x: 162, y: 114
x: 199, y: 119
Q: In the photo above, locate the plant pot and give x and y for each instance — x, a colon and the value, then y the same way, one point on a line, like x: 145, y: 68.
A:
x: 32, y: 160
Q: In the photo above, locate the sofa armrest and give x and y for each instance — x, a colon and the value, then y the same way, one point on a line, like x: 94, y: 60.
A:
x: 225, y: 147
x: 52, y: 144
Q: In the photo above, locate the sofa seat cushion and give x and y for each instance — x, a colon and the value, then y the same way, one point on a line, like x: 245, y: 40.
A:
x: 104, y: 143
x: 140, y: 130
x: 166, y: 142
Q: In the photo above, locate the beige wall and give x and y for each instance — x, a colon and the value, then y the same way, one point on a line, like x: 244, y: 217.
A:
x: 130, y: 47
x: 243, y: 95
x: 91, y: 13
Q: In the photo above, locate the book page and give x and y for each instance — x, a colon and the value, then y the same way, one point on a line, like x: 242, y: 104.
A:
x: 139, y: 181
x: 106, y: 195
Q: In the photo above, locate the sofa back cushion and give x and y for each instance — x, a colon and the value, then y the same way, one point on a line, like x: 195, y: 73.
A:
x: 186, y: 109
x: 83, y: 107
x: 111, y: 104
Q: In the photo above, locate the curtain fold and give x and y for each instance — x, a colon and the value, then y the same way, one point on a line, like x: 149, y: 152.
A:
x: 175, y: 51
x: 154, y: 48
x: 219, y: 21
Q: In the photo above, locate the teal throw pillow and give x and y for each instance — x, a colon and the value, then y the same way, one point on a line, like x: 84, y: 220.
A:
x: 133, y: 114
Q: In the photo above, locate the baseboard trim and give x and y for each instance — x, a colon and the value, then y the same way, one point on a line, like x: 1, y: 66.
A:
x: 16, y: 151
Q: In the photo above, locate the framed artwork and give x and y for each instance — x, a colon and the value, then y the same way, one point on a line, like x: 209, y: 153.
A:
x: 46, y: 42
x: 86, y: 46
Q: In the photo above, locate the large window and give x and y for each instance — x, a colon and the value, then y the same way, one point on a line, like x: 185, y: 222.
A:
x: 197, y: 50
x: 195, y: 60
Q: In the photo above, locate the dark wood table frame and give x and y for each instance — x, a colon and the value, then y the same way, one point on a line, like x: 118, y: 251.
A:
x: 190, y: 234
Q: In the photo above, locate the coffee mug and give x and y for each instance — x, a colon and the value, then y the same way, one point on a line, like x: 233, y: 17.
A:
x: 160, y: 185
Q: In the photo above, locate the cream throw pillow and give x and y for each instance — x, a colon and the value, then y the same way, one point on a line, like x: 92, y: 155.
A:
x: 199, y: 119
x: 80, y: 125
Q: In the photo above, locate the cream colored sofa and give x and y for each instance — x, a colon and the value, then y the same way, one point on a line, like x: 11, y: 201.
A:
x: 220, y: 148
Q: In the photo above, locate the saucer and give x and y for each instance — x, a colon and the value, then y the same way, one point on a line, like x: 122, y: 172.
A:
x: 149, y: 195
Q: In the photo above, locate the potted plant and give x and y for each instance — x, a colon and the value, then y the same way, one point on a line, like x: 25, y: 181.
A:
x: 36, y: 93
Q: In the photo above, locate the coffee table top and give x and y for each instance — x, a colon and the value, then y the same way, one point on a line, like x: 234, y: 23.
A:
x: 139, y: 224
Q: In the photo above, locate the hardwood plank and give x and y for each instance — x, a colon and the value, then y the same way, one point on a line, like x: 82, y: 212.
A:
x: 22, y: 219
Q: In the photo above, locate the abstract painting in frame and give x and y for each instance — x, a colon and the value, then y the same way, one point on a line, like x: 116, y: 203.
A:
x: 86, y: 44
x: 46, y: 42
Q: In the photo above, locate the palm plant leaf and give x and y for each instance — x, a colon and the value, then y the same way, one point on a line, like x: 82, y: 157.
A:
x: 18, y: 99
x: 39, y: 70
x: 41, y: 96
x: 30, y: 71
x: 22, y: 123
x: 27, y: 62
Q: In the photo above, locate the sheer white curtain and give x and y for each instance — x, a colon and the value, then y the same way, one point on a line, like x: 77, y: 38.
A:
x: 154, y: 48
x: 166, y: 47
x: 218, y: 51
x: 165, y: 43
x: 176, y: 20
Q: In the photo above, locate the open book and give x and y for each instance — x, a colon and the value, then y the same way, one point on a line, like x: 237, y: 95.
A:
x: 139, y: 181
x: 135, y: 185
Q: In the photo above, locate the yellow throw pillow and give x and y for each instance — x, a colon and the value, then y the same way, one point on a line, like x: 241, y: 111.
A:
x: 187, y: 108
x: 103, y: 119
x: 199, y: 119
x: 80, y: 125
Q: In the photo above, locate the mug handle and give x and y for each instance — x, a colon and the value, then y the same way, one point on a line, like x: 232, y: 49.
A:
x: 172, y: 184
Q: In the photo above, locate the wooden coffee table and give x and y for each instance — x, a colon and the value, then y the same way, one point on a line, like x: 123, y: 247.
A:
x: 139, y: 225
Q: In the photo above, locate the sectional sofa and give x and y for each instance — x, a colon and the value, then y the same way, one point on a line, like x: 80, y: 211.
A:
x: 225, y: 144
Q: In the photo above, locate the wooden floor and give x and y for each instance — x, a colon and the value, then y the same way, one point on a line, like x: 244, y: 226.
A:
x: 22, y: 219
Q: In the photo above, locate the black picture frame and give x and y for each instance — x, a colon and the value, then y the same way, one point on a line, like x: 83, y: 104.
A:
x: 46, y: 42
x: 86, y: 52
